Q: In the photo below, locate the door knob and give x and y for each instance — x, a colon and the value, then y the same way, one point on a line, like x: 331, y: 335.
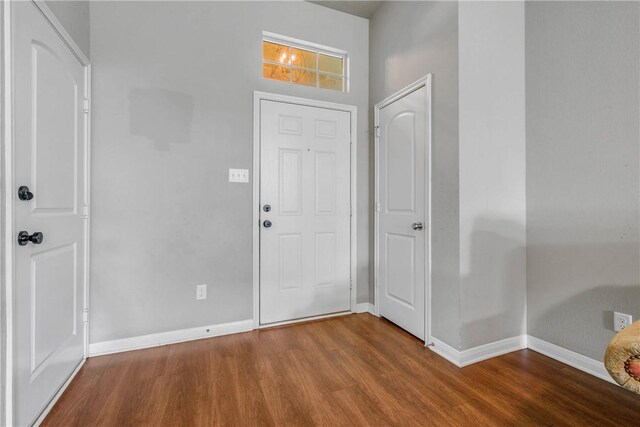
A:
x: 24, y: 238
x: 24, y: 193
x: 417, y: 226
x: 267, y: 224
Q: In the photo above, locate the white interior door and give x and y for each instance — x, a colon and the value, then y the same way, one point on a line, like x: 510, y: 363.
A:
x: 304, y: 211
x: 49, y: 156
x: 402, y: 219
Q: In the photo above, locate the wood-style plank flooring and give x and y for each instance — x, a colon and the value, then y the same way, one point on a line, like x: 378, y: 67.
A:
x: 351, y: 370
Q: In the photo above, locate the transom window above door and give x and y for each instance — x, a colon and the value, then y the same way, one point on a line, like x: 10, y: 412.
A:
x: 303, y: 63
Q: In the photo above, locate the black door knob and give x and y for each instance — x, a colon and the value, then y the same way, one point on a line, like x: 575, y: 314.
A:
x: 24, y: 238
x: 24, y: 193
x: 267, y: 224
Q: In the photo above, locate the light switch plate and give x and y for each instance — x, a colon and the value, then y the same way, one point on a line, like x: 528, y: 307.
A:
x: 238, y: 175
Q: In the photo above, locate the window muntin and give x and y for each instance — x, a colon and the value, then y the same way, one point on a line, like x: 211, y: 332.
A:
x: 303, y: 65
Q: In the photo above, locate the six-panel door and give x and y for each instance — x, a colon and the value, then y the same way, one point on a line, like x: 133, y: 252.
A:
x: 305, y: 180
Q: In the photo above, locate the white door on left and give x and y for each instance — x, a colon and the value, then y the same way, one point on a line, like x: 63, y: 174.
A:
x: 49, y: 158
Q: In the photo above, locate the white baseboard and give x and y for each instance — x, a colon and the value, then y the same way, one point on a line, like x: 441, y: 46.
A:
x: 498, y: 348
x: 571, y: 358
x: 494, y: 349
x: 55, y: 398
x: 445, y: 350
x: 365, y: 307
x: 170, y: 337
x: 480, y: 353
x: 173, y: 337
x: 458, y: 358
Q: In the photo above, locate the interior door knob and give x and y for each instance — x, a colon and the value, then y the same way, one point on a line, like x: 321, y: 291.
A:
x: 24, y: 193
x: 35, y: 238
x: 417, y: 226
x: 267, y: 224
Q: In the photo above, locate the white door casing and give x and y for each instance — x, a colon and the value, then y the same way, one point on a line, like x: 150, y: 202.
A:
x: 49, y: 156
x: 305, y: 255
x: 403, y: 207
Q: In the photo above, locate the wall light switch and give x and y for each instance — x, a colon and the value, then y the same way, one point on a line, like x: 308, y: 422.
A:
x: 238, y: 175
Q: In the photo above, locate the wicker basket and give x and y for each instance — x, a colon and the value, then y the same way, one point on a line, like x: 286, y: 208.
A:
x: 622, y: 358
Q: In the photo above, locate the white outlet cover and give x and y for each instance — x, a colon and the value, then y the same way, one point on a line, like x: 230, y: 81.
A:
x: 201, y: 292
x: 239, y: 175
x: 621, y: 321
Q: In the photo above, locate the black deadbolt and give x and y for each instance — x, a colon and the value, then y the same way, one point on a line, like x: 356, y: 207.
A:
x: 266, y: 208
x: 267, y: 224
x: 24, y: 238
x: 24, y: 193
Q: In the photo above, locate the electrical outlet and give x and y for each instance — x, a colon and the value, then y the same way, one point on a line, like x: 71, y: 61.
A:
x: 621, y: 321
x: 201, y: 292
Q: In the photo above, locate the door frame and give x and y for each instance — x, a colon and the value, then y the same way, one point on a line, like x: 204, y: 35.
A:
x: 7, y: 192
x: 418, y: 84
x: 353, y: 111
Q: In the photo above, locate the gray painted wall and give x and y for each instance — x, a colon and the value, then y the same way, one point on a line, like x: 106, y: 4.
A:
x: 173, y: 110
x: 582, y: 67
x: 583, y: 179
x: 74, y: 17
x: 492, y: 171
x: 409, y: 40
x: 4, y: 233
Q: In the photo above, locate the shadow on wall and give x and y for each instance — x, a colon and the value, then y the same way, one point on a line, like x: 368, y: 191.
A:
x: 584, y: 322
x: 568, y: 291
x: 493, y: 287
x: 574, y: 289
x: 163, y: 116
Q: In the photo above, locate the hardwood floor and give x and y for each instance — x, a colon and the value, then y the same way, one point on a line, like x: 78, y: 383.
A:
x: 351, y: 370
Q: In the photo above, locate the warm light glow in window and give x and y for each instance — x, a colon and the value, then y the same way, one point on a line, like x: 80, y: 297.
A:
x: 298, y: 65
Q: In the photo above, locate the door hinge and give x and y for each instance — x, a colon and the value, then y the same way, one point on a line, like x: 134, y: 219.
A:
x: 377, y: 130
x: 85, y: 212
x: 350, y: 210
x: 378, y: 207
x: 85, y: 316
x: 85, y: 106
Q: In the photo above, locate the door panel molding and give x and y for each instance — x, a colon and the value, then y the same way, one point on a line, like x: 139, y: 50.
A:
x: 424, y: 82
x: 38, y: 263
x: 323, y: 130
x: 409, y: 243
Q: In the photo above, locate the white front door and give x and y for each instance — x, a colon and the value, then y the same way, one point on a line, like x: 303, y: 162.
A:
x: 402, y: 232
x: 304, y: 211
x: 49, y: 158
